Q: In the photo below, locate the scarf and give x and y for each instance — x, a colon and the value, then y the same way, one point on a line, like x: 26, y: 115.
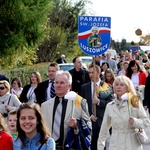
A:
x: 120, y: 103
x: 4, y: 98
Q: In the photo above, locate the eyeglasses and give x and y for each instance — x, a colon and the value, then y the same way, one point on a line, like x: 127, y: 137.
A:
x: 2, y: 87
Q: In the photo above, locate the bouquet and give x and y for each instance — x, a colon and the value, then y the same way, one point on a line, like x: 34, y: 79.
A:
x: 77, y: 100
x: 146, y: 66
x: 132, y: 101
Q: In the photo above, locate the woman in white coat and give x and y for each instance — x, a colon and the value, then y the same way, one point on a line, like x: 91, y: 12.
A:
x: 122, y: 118
x: 8, y: 101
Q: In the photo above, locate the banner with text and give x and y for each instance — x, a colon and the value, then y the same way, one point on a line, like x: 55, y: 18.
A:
x: 94, y: 34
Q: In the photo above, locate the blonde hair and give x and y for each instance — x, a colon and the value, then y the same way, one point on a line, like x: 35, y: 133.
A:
x: 3, y: 126
x: 6, y: 84
x: 124, y: 80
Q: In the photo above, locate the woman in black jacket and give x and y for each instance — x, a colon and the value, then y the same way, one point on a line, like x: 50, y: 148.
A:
x: 28, y: 94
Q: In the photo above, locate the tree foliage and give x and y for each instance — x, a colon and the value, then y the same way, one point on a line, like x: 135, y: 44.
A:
x: 21, y: 28
x: 55, y: 40
x: 64, y: 16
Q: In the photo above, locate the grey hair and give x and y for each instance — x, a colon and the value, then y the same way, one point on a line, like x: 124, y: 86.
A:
x: 62, y: 55
x: 61, y: 72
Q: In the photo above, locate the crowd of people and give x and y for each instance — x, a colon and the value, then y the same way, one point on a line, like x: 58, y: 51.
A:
x: 79, y: 108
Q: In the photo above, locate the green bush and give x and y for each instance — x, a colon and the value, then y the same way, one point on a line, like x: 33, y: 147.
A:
x: 24, y: 73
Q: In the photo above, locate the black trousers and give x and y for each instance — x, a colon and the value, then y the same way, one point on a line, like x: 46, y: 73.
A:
x: 95, y: 135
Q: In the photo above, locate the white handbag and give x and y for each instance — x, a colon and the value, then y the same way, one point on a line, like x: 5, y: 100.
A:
x: 141, y: 136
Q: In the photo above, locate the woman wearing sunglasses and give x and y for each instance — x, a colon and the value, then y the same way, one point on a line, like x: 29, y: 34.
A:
x: 8, y: 101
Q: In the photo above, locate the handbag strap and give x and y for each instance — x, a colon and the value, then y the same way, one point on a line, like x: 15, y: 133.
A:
x: 43, y: 143
x: 9, y: 100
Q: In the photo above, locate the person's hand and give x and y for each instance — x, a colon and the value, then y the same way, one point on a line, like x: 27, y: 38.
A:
x: 131, y: 121
x: 94, y: 118
x: 95, y: 100
x: 7, y: 107
x: 93, y: 40
x: 73, y: 123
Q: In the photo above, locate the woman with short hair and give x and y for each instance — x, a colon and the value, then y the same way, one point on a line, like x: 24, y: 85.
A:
x: 8, y: 101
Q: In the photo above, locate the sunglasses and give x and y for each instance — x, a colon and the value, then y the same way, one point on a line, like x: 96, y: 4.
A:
x: 2, y: 87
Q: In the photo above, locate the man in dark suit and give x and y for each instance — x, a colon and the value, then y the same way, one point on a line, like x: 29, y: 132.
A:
x: 79, y: 75
x: 61, y: 60
x: 99, y: 101
x: 43, y: 90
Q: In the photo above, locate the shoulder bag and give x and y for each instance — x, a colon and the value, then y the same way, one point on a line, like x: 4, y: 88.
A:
x: 141, y: 136
x: 6, y: 114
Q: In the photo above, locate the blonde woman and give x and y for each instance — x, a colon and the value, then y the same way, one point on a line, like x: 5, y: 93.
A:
x: 122, y: 118
x: 8, y: 101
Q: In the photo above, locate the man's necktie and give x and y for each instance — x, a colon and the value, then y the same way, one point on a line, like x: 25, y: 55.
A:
x: 52, y: 90
x: 57, y: 121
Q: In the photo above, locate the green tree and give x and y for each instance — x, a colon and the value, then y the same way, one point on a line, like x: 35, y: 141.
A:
x: 64, y: 16
x: 22, y: 27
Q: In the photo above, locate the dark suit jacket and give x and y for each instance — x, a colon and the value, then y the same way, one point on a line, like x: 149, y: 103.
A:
x: 84, y: 78
x: 41, y: 92
x: 100, y: 109
x: 23, y: 96
x: 59, y: 61
x: 146, y: 101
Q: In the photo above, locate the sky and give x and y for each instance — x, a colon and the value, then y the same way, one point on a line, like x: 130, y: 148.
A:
x: 126, y: 17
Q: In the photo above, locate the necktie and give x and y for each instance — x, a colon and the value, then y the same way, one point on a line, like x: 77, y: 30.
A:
x: 57, y: 121
x: 52, y: 90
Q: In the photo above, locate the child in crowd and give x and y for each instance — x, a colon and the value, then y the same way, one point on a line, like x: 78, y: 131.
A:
x: 11, y: 122
x: 109, y: 76
x: 32, y: 130
x: 16, y: 87
x: 5, y: 138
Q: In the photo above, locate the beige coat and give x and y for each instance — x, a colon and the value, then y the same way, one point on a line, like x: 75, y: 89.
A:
x: 47, y: 111
x: 123, y: 134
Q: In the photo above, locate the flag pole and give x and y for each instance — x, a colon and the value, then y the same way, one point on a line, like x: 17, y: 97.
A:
x: 94, y: 91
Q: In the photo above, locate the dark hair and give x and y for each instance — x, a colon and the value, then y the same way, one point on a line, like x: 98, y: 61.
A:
x: 74, y: 59
x: 18, y: 81
x: 104, y: 64
x: 41, y: 127
x: 129, y: 71
x: 54, y: 64
x: 98, y: 69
